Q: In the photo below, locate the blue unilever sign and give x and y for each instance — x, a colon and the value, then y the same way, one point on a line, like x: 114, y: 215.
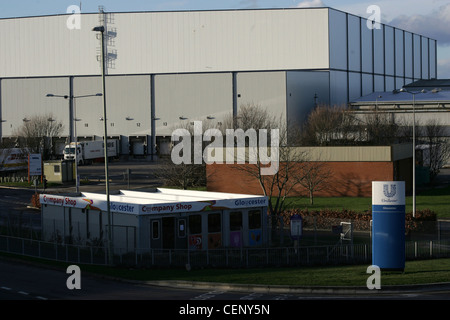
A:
x: 388, y: 224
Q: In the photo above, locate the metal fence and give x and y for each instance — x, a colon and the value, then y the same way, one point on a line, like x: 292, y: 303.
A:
x: 323, y: 242
x: 225, y: 257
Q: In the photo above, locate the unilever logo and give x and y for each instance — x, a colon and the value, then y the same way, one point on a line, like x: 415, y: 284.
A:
x: 392, y: 192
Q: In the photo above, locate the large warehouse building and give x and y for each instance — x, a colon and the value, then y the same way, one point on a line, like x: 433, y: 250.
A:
x: 167, y: 67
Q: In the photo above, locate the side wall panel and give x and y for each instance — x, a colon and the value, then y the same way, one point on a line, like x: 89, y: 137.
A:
x: 194, y: 97
x: 26, y: 98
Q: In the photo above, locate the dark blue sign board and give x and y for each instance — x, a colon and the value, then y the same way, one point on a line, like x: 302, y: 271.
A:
x: 296, y: 227
x: 388, y: 225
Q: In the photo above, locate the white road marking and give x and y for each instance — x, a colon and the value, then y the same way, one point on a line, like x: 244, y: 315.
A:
x: 23, y: 293
x: 208, y: 295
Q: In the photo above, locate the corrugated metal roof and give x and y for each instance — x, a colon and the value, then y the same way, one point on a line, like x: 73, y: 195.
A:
x: 399, y: 97
x: 432, y: 83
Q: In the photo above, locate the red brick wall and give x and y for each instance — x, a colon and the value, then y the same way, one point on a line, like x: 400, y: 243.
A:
x: 347, y: 179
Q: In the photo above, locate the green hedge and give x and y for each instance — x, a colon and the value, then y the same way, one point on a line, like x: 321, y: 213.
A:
x: 425, y: 220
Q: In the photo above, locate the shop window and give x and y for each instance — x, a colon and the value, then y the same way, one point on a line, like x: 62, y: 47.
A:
x: 155, y: 229
x: 214, y: 223
x: 235, y: 221
x: 195, y: 224
x: 254, y: 219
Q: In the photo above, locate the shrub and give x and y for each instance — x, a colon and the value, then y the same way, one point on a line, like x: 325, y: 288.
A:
x: 326, y: 218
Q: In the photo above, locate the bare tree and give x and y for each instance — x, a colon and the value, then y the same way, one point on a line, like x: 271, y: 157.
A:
x: 437, y: 150
x: 278, y: 185
x: 314, y: 177
x: 189, y: 173
x: 381, y: 128
x: 182, y: 175
x: 327, y: 126
x: 34, y: 132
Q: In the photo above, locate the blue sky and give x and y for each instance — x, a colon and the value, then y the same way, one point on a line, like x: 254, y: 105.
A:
x: 427, y: 17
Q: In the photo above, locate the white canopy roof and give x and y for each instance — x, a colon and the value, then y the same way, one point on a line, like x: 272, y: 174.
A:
x: 158, y: 202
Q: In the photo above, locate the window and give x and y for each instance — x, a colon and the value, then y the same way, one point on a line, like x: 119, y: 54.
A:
x: 56, y: 169
x: 195, y: 224
x: 254, y: 219
x: 235, y: 221
x: 155, y: 229
x: 214, y: 223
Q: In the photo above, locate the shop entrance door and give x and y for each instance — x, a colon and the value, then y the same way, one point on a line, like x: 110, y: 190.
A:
x: 168, y: 233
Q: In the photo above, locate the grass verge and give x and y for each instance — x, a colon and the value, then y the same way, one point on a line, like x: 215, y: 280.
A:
x: 436, y: 199
x: 416, y: 272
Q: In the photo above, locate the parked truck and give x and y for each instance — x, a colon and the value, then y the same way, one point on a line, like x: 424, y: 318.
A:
x: 90, y: 151
x: 13, y: 159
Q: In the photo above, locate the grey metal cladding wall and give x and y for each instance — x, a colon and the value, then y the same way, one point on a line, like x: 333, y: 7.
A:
x: 338, y: 39
x: 384, y: 50
x: 399, y: 53
x: 167, y: 42
x: 433, y: 62
x: 25, y: 98
x: 354, y: 85
x: 194, y: 97
x: 425, y: 62
x: 264, y: 89
x: 229, y: 40
x: 417, y: 50
x: 367, y: 84
x: 354, y: 43
x: 338, y: 87
x: 304, y: 89
x: 366, y: 47
x: 129, y: 105
x: 378, y: 50
x: 409, y: 55
x: 44, y: 46
x: 389, y: 43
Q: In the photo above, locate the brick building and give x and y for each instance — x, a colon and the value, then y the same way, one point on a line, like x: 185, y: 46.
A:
x: 352, y: 171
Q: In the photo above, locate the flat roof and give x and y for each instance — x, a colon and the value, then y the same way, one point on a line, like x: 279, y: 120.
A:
x: 162, y: 201
x: 430, y: 83
x: 403, y: 97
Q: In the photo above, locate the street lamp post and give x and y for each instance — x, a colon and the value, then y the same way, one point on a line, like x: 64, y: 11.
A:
x: 101, y: 29
x: 75, y: 137
x: 413, y: 93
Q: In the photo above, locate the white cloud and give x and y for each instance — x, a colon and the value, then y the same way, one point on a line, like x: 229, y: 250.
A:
x: 310, y: 3
x: 434, y: 25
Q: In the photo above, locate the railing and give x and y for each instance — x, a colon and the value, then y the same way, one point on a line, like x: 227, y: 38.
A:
x: 225, y: 257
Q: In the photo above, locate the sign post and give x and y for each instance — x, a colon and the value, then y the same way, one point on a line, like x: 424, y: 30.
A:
x: 296, y: 229
x: 34, y: 165
x: 388, y: 225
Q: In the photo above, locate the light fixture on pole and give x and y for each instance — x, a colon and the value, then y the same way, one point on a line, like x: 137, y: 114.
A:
x: 414, y: 147
x: 75, y: 136
x: 101, y: 29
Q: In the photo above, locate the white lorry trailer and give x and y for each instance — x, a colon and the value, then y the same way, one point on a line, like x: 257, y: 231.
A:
x: 13, y: 159
x: 90, y: 151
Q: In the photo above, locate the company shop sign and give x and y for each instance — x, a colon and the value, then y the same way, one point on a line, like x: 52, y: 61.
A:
x: 123, y: 207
